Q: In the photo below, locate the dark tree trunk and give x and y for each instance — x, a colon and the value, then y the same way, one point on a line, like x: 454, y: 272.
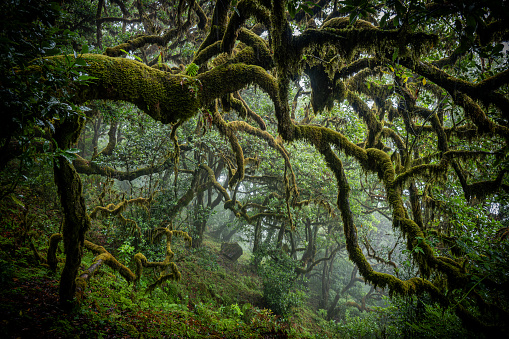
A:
x: 221, y: 229
x: 257, y: 235
x: 97, y: 132
x: 112, y: 139
x: 76, y: 220
x: 324, y: 298
x: 230, y: 235
x: 200, y: 220
x: 281, y: 234
x: 416, y: 205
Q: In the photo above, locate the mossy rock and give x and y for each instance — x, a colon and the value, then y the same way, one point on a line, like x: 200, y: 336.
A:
x: 231, y: 251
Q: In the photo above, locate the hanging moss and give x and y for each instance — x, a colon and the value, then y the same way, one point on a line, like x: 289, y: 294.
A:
x: 238, y: 174
x: 140, y: 41
x: 233, y: 77
x: 321, y: 136
x: 241, y: 126
x: 366, y: 114
x: 117, y: 210
x: 324, y: 89
x: 364, y: 37
x: 424, y: 170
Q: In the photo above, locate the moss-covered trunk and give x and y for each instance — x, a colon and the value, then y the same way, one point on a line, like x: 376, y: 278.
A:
x: 74, y: 228
x: 76, y: 220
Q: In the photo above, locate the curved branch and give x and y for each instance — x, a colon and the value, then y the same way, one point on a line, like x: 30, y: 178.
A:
x: 112, y: 19
x: 84, y: 166
x: 141, y: 41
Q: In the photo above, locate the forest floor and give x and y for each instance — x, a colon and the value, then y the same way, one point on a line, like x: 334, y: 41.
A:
x: 29, y: 308
x: 214, y: 299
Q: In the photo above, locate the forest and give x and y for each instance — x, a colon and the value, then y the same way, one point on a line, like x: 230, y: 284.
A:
x: 254, y: 169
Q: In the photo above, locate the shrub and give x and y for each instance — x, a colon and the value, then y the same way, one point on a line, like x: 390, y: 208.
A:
x: 279, y: 283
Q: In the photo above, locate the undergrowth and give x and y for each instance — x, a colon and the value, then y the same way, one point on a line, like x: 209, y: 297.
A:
x: 214, y: 299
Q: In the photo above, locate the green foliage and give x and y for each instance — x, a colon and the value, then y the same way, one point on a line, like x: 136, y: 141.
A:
x: 280, y: 290
x: 6, y: 272
x: 126, y: 251
x: 419, y: 318
x: 210, y: 293
x: 131, y: 55
x: 295, y: 7
x: 34, y: 94
x: 192, y: 69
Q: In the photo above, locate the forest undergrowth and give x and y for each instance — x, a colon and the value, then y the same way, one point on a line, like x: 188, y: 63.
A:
x: 214, y: 299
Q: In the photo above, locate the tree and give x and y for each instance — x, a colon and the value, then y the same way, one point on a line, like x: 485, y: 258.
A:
x: 427, y: 82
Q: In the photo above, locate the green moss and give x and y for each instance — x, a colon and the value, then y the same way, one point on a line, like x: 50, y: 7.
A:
x: 322, y: 137
x: 230, y: 78
x: 165, y: 97
x: 117, y: 210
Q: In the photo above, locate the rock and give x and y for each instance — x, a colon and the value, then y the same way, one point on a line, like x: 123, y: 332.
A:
x: 231, y: 251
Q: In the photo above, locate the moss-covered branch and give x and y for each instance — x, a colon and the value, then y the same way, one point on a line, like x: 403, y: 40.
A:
x: 230, y: 78
x: 141, y: 261
x: 118, y: 209
x: 362, y: 37
x: 104, y: 257
x: 84, y: 166
x: 165, y: 97
x: 140, y: 41
x: 464, y: 94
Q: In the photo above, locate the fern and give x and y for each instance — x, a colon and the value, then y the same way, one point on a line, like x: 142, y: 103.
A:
x: 192, y: 69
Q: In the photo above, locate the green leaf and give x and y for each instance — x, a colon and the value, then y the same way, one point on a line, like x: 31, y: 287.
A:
x: 291, y: 9
x: 192, y: 69
x: 69, y: 157
x: 81, y: 62
x: 85, y: 77
x: 17, y: 201
x: 72, y: 150
x: 395, y: 54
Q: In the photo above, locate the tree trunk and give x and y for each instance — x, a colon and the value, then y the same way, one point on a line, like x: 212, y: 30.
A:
x: 416, y: 205
x: 200, y: 220
x: 97, y: 132
x: 324, y: 298
x: 281, y: 234
x: 76, y: 220
x: 228, y: 237
x: 74, y: 228
x: 257, y: 235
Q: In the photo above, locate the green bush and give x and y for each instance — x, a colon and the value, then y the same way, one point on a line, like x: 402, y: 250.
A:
x: 420, y: 318
x: 279, y: 283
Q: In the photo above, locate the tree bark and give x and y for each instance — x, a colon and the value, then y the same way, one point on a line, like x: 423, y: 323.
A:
x: 76, y: 220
